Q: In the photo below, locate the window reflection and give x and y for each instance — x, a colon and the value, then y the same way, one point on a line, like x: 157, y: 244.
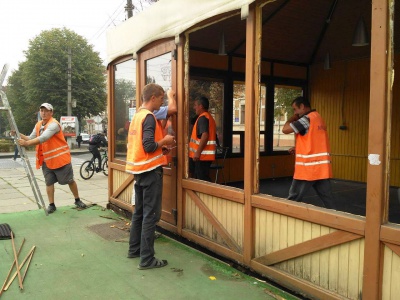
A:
x: 283, y: 97
x: 125, y: 103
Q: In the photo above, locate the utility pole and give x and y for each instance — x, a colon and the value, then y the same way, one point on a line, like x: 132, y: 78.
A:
x: 69, y: 103
x: 129, y: 9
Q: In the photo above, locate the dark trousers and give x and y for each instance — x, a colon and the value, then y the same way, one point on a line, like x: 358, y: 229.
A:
x: 15, y: 152
x: 202, y: 169
x: 148, y: 196
x: 323, y: 188
x: 96, y: 153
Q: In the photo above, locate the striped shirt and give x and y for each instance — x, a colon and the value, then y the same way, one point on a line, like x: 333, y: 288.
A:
x: 302, y: 125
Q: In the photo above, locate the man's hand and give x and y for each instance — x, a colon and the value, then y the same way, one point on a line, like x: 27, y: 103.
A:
x: 165, y: 150
x: 292, y: 150
x: 23, y: 143
x: 168, y: 140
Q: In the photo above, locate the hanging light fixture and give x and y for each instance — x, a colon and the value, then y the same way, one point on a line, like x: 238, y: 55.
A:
x: 327, y: 62
x: 222, y: 50
x: 360, y: 37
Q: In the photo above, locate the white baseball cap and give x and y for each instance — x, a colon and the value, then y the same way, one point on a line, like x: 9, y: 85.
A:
x: 48, y: 106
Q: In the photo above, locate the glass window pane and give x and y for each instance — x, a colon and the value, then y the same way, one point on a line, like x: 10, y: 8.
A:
x: 125, y: 103
x: 283, y: 97
x: 238, y: 106
x: 158, y: 70
x: 263, y: 101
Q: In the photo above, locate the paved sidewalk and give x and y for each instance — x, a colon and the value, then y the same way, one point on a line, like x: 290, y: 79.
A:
x: 16, y: 192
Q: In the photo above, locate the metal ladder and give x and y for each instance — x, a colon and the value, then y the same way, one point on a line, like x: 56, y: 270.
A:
x: 5, y: 106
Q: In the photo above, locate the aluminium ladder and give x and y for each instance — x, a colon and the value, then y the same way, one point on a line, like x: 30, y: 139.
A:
x: 5, y: 106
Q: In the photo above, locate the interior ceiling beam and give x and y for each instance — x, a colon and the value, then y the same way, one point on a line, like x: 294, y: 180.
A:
x: 323, y: 31
x: 278, y: 9
x: 285, y: 62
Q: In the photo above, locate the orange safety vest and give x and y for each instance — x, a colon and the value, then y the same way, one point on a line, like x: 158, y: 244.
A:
x: 313, y: 161
x: 55, y: 151
x: 137, y: 160
x: 208, y: 152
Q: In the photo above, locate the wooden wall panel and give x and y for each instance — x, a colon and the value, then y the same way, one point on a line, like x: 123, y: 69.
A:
x: 118, y: 178
x: 289, y: 71
x: 341, y: 95
x: 391, y: 275
x: 338, y: 269
x: 228, y: 213
x: 208, y: 60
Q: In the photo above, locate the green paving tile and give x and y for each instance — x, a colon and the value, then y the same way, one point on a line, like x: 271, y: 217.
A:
x: 72, y: 261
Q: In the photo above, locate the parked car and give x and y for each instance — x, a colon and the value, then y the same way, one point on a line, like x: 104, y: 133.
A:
x: 85, y: 138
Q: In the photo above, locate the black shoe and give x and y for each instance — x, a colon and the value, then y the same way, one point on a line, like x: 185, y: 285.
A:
x: 80, y: 204
x: 51, y: 209
x: 97, y: 170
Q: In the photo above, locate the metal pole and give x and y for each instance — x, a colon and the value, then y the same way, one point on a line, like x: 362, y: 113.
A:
x: 69, y: 104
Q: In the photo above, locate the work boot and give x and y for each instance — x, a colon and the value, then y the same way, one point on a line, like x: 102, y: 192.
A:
x: 80, y: 204
x: 51, y: 209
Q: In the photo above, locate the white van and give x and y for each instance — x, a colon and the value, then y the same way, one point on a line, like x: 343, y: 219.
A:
x: 85, y: 138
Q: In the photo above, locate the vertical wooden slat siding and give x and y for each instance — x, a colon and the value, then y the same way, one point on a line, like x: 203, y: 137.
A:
x: 197, y: 222
x: 338, y: 268
x: 347, y: 84
x: 324, y: 262
x: 315, y: 257
x: 391, y: 275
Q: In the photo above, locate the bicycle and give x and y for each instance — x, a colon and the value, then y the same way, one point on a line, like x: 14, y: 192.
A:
x: 89, y: 167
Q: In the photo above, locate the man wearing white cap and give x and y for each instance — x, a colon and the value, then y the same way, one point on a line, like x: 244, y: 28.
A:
x: 52, y: 154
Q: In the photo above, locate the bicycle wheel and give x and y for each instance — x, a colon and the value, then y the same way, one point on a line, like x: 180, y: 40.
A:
x: 105, y: 167
x: 87, y: 169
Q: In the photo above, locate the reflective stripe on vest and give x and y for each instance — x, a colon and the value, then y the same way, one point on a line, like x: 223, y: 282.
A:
x: 313, y: 160
x: 55, y: 151
x: 137, y: 160
x: 208, y: 153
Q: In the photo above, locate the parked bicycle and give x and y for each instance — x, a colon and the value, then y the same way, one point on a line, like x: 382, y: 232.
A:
x: 89, y: 167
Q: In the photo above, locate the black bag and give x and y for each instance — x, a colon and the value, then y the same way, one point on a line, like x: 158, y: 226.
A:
x: 5, y: 232
x: 94, y: 139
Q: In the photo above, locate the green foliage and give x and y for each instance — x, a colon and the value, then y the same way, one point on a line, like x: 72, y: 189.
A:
x: 213, y: 90
x: 283, y: 100
x: 125, y: 93
x: 43, y: 77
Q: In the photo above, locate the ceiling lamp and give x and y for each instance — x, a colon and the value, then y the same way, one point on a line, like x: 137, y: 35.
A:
x: 222, y: 50
x: 360, y: 37
x: 327, y: 62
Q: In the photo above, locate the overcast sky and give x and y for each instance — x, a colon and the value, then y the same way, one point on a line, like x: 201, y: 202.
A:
x: 23, y: 20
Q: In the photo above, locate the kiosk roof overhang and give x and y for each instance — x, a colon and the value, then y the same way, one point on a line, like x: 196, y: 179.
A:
x: 164, y: 19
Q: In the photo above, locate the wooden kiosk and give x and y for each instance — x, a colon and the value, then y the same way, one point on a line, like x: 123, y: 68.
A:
x: 248, y: 56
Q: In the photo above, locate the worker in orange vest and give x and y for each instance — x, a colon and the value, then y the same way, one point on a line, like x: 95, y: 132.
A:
x: 52, y: 155
x: 313, y: 166
x: 202, y: 145
x: 147, y: 146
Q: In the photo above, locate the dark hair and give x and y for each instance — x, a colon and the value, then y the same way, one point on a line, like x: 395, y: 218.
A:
x: 301, y: 100
x: 151, y: 89
x: 203, y: 101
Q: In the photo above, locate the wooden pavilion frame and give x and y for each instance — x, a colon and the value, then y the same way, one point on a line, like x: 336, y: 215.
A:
x: 320, y: 253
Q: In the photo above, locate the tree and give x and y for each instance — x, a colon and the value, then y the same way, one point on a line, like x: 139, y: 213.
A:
x: 43, y: 77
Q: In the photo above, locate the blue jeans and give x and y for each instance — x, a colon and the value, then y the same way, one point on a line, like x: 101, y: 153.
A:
x: 148, y: 197
x: 323, y: 188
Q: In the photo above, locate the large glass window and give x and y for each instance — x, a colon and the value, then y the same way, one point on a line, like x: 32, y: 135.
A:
x: 283, y: 97
x: 125, y: 103
x: 239, y: 102
x: 158, y: 70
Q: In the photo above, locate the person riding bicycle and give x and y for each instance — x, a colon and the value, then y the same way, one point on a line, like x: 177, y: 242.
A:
x: 96, y: 141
